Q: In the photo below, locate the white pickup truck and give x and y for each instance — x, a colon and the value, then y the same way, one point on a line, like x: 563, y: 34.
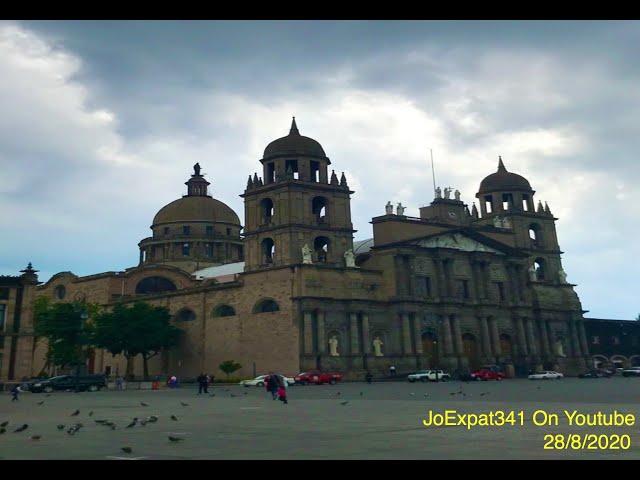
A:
x: 430, y: 375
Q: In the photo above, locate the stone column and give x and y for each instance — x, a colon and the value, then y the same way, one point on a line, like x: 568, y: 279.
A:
x: 531, y: 340
x: 440, y: 287
x: 477, y: 287
x: 583, y: 338
x: 522, y: 344
x: 406, y: 334
x: 353, y: 324
x: 366, y: 344
x: 457, y: 335
x: 322, y: 344
x: 448, y: 337
x: 493, y: 324
x: 418, y: 337
x: 308, y: 333
x: 575, y: 343
x: 484, y: 334
x: 544, y: 338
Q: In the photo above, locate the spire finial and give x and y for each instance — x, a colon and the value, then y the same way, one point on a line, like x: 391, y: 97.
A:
x: 294, y: 128
x: 500, y: 164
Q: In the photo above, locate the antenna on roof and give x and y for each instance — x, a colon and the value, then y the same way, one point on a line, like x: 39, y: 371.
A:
x: 433, y: 173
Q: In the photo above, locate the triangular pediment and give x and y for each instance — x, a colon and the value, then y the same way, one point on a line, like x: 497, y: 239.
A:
x: 455, y: 241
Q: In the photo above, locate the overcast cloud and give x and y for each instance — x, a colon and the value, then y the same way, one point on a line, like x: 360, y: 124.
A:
x: 102, y: 122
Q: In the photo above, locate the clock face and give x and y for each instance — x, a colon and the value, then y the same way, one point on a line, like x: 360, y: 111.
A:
x: 452, y: 214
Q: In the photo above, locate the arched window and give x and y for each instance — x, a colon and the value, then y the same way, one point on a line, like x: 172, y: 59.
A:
x: 321, y: 248
x: 154, y: 285
x: 488, y: 204
x: 185, y: 315
x: 224, y: 311
x: 267, y: 211
x: 268, y: 251
x: 60, y: 291
x: 266, y: 305
x: 540, y: 269
x: 535, y: 234
x: 319, y: 209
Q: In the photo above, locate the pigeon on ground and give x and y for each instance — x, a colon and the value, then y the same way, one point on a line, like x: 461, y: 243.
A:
x: 344, y: 403
x: 127, y: 449
x: 2, y: 430
x: 426, y: 395
x: 60, y: 427
x: 76, y: 413
x: 452, y: 393
x: 144, y: 404
x: 21, y: 429
x: 152, y: 419
x: 184, y: 404
x: 101, y: 421
x: 133, y: 423
x: 412, y: 394
x: 91, y: 413
x: 361, y: 393
x: 4, y: 424
x: 40, y: 403
x: 36, y: 437
x: 175, y: 439
x: 143, y: 423
x: 246, y: 393
x: 482, y: 394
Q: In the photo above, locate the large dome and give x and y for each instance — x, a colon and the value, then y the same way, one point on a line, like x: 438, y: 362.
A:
x: 504, y: 181
x: 294, y: 144
x: 196, y: 209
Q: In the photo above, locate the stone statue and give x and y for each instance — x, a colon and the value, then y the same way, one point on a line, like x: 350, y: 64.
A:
x: 306, y: 254
x: 506, y: 223
x: 377, y: 347
x: 388, y: 208
x: 438, y: 192
x: 457, y: 194
x: 559, y: 348
x: 533, y: 276
x: 563, y: 276
x: 349, y: 258
x: 400, y: 209
x: 333, y: 347
x: 196, y: 169
x: 497, y: 222
x: 447, y: 192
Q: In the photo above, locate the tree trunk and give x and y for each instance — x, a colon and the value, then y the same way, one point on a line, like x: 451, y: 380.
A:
x: 129, y: 374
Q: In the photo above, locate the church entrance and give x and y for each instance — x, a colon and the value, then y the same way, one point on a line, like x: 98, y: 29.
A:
x: 430, y: 350
x: 506, y: 346
x: 470, y: 350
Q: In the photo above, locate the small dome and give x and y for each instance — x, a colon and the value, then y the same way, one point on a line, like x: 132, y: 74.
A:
x: 503, y: 181
x: 196, y: 209
x: 294, y: 144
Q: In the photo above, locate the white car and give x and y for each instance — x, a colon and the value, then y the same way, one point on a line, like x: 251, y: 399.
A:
x: 548, y: 375
x: 259, y: 381
x: 425, y: 375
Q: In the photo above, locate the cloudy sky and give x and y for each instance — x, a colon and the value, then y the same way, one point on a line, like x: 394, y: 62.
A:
x: 102, y: 121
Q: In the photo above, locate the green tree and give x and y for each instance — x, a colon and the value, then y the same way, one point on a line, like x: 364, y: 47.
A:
x: 229, y: 366
x: 67, y: 328
x: 141, y: 329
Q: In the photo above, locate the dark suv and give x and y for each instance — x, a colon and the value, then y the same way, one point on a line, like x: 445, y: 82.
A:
x: 91, y: 383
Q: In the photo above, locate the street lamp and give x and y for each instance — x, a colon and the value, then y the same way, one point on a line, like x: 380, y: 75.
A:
x: 83, y: 318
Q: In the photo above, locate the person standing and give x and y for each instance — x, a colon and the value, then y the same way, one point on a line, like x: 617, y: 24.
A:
x: 272, y: 385
x: 203, y: 382
x: 368, y: 377
x: 119, y: 383
x: 14, y: 393
x: 282, y: 388
x: 392, y: 370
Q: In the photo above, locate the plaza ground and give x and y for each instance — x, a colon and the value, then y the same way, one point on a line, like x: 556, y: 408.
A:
x: 380, y: 421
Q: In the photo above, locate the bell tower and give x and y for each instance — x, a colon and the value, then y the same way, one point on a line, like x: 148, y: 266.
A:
x: 295, y: 203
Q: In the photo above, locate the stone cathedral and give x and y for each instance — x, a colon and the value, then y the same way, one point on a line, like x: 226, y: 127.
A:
x: 454, y: 288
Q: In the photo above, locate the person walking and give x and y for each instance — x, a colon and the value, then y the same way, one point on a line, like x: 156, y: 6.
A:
x: 282, y: 388
x: 272, y: 385
x: 203, y: 382
x: 119, y: 383
x: 14, y: 393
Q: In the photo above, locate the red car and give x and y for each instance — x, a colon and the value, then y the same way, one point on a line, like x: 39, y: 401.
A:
x: 317, y: 377
x: 488, y: 372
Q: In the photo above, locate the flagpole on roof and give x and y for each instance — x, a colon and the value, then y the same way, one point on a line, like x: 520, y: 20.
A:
x: 433, y: 173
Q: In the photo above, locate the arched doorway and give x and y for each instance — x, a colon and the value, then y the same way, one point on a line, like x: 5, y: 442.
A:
x: 506, y: 346
x: 430, y: 350
x: 470, y: 350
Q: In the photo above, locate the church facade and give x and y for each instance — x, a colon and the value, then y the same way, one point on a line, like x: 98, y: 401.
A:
x: 453, y: 288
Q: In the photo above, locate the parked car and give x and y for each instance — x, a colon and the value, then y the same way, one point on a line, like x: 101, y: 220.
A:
x: 92, y: 383
x: 488, y: 372
x: 593, y: 374
x: 260, y: 381
x: 546, y: 375
x: 428, y: 375
x: 631, y: 372
x: 317, y: 377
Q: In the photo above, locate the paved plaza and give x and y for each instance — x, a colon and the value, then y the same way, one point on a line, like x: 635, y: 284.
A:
x: 379, y: 421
